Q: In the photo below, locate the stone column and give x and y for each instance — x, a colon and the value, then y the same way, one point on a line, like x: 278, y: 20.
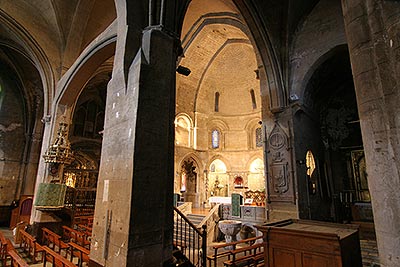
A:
x: 372, y: 28
x: 134, y: 207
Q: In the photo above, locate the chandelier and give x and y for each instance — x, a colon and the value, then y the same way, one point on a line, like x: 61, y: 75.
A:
x: 60, y: 151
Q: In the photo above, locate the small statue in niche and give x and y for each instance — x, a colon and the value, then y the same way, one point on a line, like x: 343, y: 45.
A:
x: 188, y: 170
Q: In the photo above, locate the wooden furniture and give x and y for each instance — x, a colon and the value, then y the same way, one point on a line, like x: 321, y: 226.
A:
x: 246, y: 256
x: 56, y: 259
x: 3, y: 249
x: 22, y: 212
x: 80, y: 252
x: 78, y: 237
x: 221, y: 252
x: 53, y: 240
x: 16, y: 260
x: 301, y: 243
x: 30, y: 246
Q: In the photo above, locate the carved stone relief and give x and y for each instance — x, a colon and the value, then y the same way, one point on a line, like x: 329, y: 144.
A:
x: 281, y: 188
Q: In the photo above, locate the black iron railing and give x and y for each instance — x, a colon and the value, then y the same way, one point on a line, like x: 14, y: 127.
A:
x: 190, y: 240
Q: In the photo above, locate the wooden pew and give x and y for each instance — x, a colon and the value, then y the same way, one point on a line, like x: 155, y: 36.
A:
x: 75, y: 236
x: 85, y: 220
x: 80, y: 252
x: 241, y: 258
x: 226, y: 253
x: 3, y: 249
x: 55, y: 259
x: 29, y: 245
x: 13, y: 257
x: 16, y: 260
x: 53, y: 240
x: 85, y: 228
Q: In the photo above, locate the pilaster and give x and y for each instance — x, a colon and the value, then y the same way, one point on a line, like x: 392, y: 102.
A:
x: 372, y: 28
x: 134, y: 206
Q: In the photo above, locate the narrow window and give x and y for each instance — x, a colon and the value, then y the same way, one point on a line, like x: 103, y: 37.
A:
x: 253, y: 99
x: 216, y: 107
x: 215, y: 139
x: 259, y: 141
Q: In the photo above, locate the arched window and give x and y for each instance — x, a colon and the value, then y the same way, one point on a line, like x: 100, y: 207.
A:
x: 215, y: 139
x: 216, y: 106
x: 253, y: 99
x: 89, y: 119
x: 183, y: 128
x: 218, y: 179
x: 259, y: 140
x: 310, y: 163
x: 256, y: 179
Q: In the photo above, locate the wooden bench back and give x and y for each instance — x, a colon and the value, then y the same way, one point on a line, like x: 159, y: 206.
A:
x: 29, y: 244
x: 52, y: 240
x: 80, y: 252
x: 16, y: 260
x: 3, y: 248
x: 75, y: 236
x: 56, y: 259
x: 27, y: 238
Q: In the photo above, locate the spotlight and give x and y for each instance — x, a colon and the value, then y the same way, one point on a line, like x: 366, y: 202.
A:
x: 183, y: 70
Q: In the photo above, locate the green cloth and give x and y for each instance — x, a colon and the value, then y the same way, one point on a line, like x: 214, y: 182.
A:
x: 50, y: 195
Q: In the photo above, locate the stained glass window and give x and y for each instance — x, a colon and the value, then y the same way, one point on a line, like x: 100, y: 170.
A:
x: 215, y: 139
x: 259, y: 141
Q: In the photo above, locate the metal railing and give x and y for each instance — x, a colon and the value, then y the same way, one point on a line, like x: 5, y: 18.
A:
x: 191, y: 241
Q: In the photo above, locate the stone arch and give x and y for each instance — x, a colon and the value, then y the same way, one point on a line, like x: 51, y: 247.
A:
x: 329, y: 123
x: 315, y: 66
x: 25, y: 44
x: 272, y: 88
x: 221, y: 158
x: 250, y: 128
x: 218, y: 182
x: 92, y: 57
x: 189, y: 127
x: 191, y: 179
x: 256, y: 180
x: 222, y: 128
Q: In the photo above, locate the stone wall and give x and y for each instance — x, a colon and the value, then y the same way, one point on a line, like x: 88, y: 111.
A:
x: 12, y: 138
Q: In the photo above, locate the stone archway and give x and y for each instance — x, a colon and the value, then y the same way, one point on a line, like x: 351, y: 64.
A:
x: 328, y: 126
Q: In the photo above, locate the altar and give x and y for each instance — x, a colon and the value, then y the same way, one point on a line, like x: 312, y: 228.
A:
x: 220, y: 200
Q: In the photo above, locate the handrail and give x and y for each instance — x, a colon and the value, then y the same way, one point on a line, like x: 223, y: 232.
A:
x: 187, y: 221
x: 189, y: 239
x: 209, y: 215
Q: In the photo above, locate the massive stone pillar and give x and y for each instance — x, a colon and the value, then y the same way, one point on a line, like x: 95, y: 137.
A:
x: 372, y: 28
x: 134, y: 207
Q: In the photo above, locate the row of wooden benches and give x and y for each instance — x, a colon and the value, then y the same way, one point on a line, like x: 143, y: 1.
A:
x: 73, y: 244
x: 246, y: 252
x: 54, y: 250
x: 9, y: 254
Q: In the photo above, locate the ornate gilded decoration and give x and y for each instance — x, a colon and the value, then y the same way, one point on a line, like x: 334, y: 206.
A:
x: 60, y: 151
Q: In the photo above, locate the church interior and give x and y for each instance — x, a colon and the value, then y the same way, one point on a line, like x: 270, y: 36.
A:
x: 199, y: 133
